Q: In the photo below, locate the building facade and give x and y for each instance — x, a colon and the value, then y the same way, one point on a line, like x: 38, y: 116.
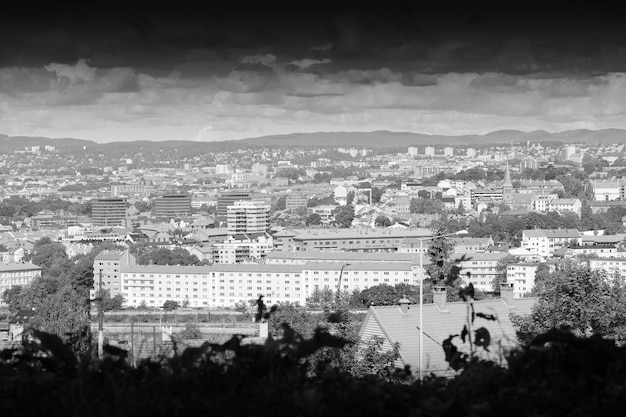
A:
x: 248, y: 217
x: 172, y: 205
x: 227, y: 285
x: 20, y: 274
x: 226, y: 199
x: 109, y: 212
x: 106, y: 267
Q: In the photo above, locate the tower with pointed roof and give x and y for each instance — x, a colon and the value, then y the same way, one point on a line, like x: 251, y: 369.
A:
x: 507, y: 186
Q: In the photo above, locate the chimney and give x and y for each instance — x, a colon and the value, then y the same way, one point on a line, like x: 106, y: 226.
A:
x: 440, y: 293
x: 506, y: 291
x: 404, y: 305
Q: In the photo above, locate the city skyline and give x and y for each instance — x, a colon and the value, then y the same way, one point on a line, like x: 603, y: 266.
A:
x: 171, y: 75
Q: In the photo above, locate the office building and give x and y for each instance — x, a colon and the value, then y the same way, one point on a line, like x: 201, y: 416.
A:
x: 226, y: 199
x: 295, y: 201
x: 172, y: 205
x: 109, y: 212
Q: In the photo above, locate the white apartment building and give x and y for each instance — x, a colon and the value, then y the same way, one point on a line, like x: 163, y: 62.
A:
x: 541, y: 202
x: 609, y: 265
x: 448, y: 151
x: 522, y: 276
x: 608, y: 190
x: 429, y: 151
x: 106, y: 266
x: 248, y: 217
x: 12, y: 275
x: 236, y: 249
x: 413, y: 151
x: 543, y: 242
x: 471, y: 152
x: 481, y: 268
x: 324, y: 211
x: 227, y: 285
x: 565, y: 204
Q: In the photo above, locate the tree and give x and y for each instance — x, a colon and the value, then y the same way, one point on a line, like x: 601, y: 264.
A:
x: 501, y: 267
x: 320, y: 298
x: 111, y: 303
x: 377, y: 193
x: 13, y: 298
x: 190, y: 332
x: 350, y: 198
x: 313, y: 219
x: 586, y: 301
x: 382, y: 221
x: 380, y: 295
x: 65, y: 314
x: 170, y: 305
x: 280, y: 203
x: 344, y: 216
x: 52, y: 259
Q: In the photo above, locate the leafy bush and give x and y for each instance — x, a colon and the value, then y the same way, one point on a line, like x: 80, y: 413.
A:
x: 557, y: 374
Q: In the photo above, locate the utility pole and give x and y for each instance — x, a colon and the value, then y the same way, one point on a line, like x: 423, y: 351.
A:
x: 100, y: 319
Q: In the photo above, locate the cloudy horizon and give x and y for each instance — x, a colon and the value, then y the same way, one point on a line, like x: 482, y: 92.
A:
x: 224, y: 76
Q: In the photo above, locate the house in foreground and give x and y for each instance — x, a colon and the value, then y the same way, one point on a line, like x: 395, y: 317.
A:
x: 400, y: 323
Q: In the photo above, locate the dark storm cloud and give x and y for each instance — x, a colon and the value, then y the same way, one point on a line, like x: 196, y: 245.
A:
x: 420, y: 39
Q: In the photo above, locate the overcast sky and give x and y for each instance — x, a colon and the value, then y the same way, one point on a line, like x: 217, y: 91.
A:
x: 159, y: 74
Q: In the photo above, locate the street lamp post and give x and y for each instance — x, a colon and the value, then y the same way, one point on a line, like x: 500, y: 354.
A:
x: 339, y: 284
x: 460, y: 232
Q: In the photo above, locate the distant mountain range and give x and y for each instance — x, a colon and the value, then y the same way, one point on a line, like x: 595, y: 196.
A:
x: 377, y: 139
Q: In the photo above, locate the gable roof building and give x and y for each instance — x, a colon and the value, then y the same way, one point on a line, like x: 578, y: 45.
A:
x: 400, y: 323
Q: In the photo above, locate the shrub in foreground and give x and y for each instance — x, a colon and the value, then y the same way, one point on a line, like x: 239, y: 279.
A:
x: 557, y: 374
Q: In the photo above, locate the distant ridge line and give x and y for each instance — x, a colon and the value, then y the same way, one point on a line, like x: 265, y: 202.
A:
x: 374, y: 139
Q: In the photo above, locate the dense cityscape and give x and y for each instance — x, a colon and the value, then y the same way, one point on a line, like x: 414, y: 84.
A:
x: 312, y: 211
x: 300, y: 225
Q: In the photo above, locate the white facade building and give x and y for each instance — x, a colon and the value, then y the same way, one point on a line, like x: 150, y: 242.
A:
x: 544, y: 242
x: 227, y: 285
x: 12, y: 275
x: 248, y: 217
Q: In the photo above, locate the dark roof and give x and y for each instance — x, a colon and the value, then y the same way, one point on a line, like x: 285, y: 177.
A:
x: 22, y: 317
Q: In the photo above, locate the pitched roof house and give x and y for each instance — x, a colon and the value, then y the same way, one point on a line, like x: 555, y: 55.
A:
x: 400, y: 323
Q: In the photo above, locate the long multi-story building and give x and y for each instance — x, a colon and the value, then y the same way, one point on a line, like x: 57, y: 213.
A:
x: 376, y: 240
x: 227, y: 285
x: 544, y: 242
x: 130, y: 189
x: 227, y: 199
x: 303, y: 257
x: 21, y: 274
x: 172, y: 205
x: 107, y: 266
x: 109, y: 212
x: 248, y: 217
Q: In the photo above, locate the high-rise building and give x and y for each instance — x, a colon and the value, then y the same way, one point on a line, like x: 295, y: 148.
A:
x: 429, y: 151
x: 448, y: 151
x: 248, y: 217
x: 172, y: 205
x: 109, y: 212
x: 471, y: 152
x: 226, y: 199
x: 412, y: 151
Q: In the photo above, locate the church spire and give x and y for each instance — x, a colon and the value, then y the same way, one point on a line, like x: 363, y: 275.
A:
x: 507, y: 176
